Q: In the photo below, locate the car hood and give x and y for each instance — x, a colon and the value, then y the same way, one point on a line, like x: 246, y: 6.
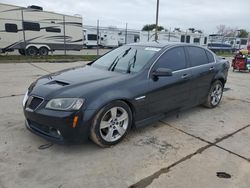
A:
x: 74, y: 82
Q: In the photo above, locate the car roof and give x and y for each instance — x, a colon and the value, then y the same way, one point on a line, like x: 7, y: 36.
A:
x: 158, y: 44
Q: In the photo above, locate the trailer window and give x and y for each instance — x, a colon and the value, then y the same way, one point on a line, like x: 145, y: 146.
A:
x: 12, y: 28
x: 243, y: 41
x: 205, y: 40
x: 31, y: 26
x: 196, y: 40
x: 53, y: 30
x: 182, y: 38
x: 92, y: 37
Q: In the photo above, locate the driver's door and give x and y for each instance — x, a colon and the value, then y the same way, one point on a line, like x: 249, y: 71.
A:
x: 170, y: 93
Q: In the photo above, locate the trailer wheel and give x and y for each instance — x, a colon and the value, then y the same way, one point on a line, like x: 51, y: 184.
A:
x: 31, y: 51
x: 43, y: 51
x: 21, y: 51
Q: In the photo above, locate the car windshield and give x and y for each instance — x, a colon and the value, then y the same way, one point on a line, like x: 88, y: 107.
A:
x: 126, y: 59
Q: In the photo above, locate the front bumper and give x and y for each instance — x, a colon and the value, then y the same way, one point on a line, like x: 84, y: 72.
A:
x: 56, y: 126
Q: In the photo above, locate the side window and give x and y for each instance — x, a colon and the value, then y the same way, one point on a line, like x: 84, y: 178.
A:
x: 92, y: 37
x: 173, y: 59
x: 205, y: 40
x: 196, y: 40
x: 31, y: 26
x: 12, y: 28
x: 243, y: 41
x: 197, y: 56
x: 53, y: 30
x: 182, y: 38
x: 188, y: 39
x: 210, y: 57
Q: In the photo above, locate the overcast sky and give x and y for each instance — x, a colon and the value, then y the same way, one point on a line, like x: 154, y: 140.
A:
x: 200, y: 14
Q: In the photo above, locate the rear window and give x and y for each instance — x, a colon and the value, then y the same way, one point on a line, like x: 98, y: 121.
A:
x: 197, y: 56
x: 210, y: 57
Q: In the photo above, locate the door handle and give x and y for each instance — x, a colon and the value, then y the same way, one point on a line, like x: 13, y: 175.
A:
x: 185, y: 76
x: 211, y: 68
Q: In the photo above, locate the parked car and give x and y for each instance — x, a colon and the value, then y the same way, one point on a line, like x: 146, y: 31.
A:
x: 131, y: 86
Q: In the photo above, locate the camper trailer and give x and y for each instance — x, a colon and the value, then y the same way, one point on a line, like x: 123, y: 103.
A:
x: 33, y: 31
x: 108, y: 37
x: 90, y: 38
x: 175, y: 36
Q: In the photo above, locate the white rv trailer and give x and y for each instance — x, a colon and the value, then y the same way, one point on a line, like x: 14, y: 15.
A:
x: 90, y: 38
x: 33, y: 31
x: 129, y: 36
x: 175, y: 36
x: 109, y: 37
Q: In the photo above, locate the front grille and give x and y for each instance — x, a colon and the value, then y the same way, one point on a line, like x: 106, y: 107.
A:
x: 34, y: 102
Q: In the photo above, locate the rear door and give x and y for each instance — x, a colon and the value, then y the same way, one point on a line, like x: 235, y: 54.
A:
x: 202, y: 64
x: 172, y: 92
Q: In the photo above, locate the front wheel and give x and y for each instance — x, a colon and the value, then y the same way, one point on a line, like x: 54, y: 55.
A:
x: 214, y: 95
x: 111, y: 124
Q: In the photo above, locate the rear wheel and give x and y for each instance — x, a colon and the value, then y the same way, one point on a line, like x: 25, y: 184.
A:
x: 111, y: 124
x: 214, y: 95
x: 43, y: 51
x: 32, y: 51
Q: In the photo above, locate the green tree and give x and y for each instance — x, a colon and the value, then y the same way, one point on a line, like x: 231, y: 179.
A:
x: 243, y: 33
x: 150, y: 27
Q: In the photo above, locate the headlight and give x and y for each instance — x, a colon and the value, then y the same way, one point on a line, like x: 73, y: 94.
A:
x: 25, y: 98
x: 65, y: 104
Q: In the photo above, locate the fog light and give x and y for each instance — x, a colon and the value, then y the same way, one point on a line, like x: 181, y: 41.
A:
x: 58, y: 132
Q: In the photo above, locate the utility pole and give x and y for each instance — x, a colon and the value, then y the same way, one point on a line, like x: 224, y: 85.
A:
x: 126, y: 34
x: 157, y: 18
x: 24, y: 37
x: 64, y: 35
x: 97, y: 37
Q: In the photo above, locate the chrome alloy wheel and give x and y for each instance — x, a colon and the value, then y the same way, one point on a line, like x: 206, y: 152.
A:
x: 114, y: 124
x: 216, y: 94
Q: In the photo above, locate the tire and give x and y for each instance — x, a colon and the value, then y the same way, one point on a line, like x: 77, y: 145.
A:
x: 21, y: 51
x: 107, y: 129
x: 215, y: 94
x: 43, y: 51
x: 31, y: 51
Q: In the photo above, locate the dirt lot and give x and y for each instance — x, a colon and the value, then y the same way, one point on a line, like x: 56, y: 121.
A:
x: 183, y: 150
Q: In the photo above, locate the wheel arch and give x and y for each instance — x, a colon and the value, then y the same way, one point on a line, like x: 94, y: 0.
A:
x: 125, y: 100
x: 221, y: 78
x: 38, y: 46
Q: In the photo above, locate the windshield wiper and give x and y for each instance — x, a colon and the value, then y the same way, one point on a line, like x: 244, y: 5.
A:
x: 117, y: 59
x: 131, y: 64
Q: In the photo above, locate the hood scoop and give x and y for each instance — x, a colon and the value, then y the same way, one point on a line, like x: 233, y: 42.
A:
x: 58, y: 82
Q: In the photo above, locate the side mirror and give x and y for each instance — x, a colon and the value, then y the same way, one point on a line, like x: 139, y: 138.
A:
x: 162, y: 72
